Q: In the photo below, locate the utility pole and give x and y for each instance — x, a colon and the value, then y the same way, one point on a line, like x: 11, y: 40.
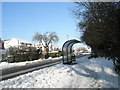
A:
x: 67, y: 37
x: 18, y: 44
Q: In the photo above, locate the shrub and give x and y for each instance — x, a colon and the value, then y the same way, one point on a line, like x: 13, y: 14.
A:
x: 22, y: 54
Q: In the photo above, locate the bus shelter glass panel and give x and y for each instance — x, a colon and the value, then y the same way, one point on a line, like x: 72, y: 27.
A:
x: 70, y: 52
x: 65, y: 51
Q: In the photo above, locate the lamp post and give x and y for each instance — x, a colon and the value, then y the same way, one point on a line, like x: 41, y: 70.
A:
x: 18, y: 44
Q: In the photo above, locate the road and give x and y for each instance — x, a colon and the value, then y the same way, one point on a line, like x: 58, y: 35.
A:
x: 15, y: 71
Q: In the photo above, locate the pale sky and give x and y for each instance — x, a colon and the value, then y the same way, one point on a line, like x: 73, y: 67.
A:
x: 23, y: 19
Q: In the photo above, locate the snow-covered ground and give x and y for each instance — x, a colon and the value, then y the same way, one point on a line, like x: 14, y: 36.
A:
x: 5, y: 65
x: 87, y: 73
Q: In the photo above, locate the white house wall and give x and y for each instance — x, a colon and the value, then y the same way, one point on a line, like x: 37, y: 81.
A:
x: 14, y: 42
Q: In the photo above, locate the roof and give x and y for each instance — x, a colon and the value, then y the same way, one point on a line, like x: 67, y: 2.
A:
x: 20, y: 40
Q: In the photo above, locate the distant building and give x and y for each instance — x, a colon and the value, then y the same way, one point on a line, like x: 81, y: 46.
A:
x: 1, y: 44
x: 51, y: 47
x: 15, y: 42
x: 37, y: 45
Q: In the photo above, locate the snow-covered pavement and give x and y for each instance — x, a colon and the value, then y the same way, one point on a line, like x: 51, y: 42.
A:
x: 87, y: 73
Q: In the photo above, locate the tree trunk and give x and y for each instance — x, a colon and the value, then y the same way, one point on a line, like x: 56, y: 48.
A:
x: 47, y: 52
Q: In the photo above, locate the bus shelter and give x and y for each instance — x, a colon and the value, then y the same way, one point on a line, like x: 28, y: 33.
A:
x: 67, y: 51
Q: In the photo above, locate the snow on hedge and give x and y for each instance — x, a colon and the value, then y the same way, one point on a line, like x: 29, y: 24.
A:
x: 87, y: 73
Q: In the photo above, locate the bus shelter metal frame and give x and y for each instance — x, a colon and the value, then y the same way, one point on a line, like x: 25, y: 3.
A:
x: 67, y: 51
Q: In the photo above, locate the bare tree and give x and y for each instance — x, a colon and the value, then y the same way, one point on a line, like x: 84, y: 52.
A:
x: 46, y: 39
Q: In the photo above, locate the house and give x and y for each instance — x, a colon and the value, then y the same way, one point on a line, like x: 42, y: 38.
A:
x: 37, y: 45
x: 2, y: 50
x: 15, y: 42
x: 51, y: 47
x: 1, y: 44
